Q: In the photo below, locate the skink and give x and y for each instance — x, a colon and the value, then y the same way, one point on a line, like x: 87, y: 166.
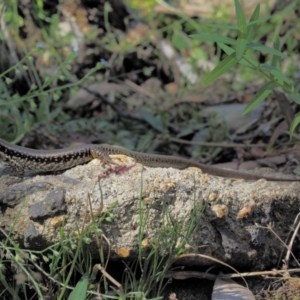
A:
x: 21, y: 158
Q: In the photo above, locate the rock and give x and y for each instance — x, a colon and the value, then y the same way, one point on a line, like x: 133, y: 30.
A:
x: 228, y: 216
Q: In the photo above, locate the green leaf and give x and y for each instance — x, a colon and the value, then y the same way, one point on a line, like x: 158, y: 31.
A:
x: 266, y: 49
x: 227, y: 49
x: 187, y: 131
x: 79, y: 293
x: 7, y: 80
x: 198, y: 54
x: 240, y: 16
x: 145, y: 141
x: 250, y: 62
x: 222, y: 26
x: 252, y: 29
x: 263, y: 93
x: 213, y: 38
x: 240, y: 48
x: 152, y: 120
x: 56, y: 96
x: 295, y: 123
x: 288, y: 88
x: 181, y: 41
x: 45, y: 258
x: 295, y: 96
x: 276, y: 62
x: 277, y: 73
x: 221, y: 68
x: 33, y: 87
x: 260, y: 20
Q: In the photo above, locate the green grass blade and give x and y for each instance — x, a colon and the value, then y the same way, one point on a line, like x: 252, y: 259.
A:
x: 227, y: 49
x: 152, y: 120
x: 240, y: 48
x: 240, y: 16
x: 288, y: 88
x: 222, y: 26
x: 255, y: 16
x: 266, y: 49
x: 221, y: 68
x: 181, y: 41
x: 79, y: 293
x: 295, y: 96
x: 250, y: 62
x: 275, y: 72
x: 263, y: 93
x: 213, y: 38
x: 252, y: 29
x: 275, y: 61
x: 295, y: 123
x: 260, y: 20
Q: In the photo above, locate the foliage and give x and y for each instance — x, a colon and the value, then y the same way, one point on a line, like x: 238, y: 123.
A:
x: 148, y: 123
x: 48, y: 89
x: 30, y: 95
x: 70, y: 257
x: 237, y: 53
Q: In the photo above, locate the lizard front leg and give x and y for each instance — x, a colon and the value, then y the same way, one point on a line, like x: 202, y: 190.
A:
x: 101, y: 155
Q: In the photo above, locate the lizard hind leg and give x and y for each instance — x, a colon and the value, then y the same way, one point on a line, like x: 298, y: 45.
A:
x: 101, y: 155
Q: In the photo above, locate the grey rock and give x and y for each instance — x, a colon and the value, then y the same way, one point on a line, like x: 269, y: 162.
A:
x: 225, y: 227
x: 51, y: 206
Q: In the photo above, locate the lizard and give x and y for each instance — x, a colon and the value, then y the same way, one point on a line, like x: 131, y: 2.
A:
x: 21, y: 158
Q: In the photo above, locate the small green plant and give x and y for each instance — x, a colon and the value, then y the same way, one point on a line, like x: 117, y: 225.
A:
x: 237, y: 51
x: 144, y: 279
x: 79, y: 293
x: 64, y: 259
x: 37, y: 73
x: 156, y: 258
